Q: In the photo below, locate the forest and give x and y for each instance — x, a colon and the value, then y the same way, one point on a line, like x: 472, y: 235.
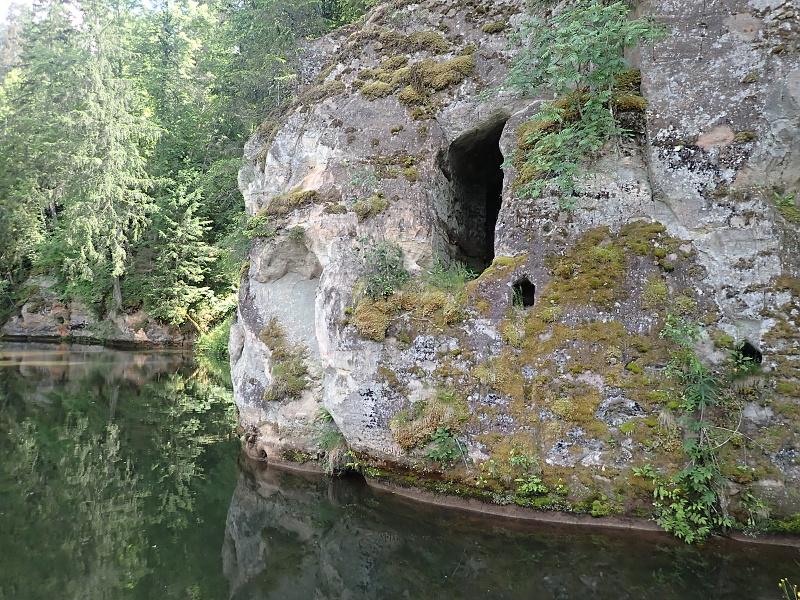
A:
x: 123, y: 124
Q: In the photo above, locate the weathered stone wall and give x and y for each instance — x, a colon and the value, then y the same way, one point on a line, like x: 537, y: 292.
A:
x: 681, y: 219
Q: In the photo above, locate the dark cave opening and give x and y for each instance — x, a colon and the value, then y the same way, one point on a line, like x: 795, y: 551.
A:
x: 748, y: 352
x: 472, y: 165
x: 524, y: 293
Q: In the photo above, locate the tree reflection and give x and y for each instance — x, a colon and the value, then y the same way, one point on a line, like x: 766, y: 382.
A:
x: 109, y: 470
x: 74, y: 507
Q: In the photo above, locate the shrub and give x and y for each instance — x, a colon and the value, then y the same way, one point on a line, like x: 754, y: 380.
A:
x: 289, y: 370
x: 451, y: 279
x: 385, y: 270
x: 579, y: 54
x: 215, y: 341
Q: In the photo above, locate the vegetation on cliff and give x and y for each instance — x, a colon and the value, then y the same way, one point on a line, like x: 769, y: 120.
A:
x: 123, y: 130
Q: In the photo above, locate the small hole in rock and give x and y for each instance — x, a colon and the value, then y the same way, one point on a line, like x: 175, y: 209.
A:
x: 524, y: 293
x: 749, y: 352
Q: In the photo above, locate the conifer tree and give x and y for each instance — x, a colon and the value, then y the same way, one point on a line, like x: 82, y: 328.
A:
x: 82, y: 124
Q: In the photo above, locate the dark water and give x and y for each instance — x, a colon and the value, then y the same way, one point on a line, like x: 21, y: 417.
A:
x: 120, y: 477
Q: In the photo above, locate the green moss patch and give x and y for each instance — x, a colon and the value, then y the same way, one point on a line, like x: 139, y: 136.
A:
x: 283, y: 204
x: 370, y: 207
x: 415, y: 426
x: 289, y: 370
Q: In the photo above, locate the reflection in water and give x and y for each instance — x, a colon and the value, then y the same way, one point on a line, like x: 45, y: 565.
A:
x: 116, y: 473
x: 297, y: 537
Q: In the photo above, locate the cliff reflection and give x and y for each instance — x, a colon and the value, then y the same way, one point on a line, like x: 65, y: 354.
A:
x: 294, y: 536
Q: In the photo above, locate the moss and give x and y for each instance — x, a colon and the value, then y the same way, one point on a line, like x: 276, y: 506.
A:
x: 411, y: 173
x: 592, y: 271
x: 283, y: 204
x: 320, y: 92
x: 430, y: 75
x: 510, y: 334
x: 429, y: 40
x: 502, y: 374
x: 634, y: 368
x: 528, y: 135
x: 389, y: 376
x: 791, y: 284
x: 550, y: 314
x: 654, y: 292
x: 495, y: 27
x: 629, y: 103
x: 468, y: 50
x: 409, y: 95
x: 743, y: 137
x: 788, y: 387
x: 376, y: 89
x: 644, y: 238
x: 750, y: 78
x: 420, y: 114
x: 394, y: 62
x: 683, y: 305
x: 370, y: 207
x: 415, y: 426
x: 336, y: 209
x: 371, y: 320
x: 579, y: 407
x: 629, y: 81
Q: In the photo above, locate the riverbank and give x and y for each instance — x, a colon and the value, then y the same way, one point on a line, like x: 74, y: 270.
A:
x: 514, y: 513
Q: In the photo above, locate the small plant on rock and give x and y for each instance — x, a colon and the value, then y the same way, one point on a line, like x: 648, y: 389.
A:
x: 579, y: 54
x: 444, y: 448
x: 385, y: 270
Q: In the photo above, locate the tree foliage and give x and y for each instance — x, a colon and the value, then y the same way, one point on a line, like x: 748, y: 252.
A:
x: 123, y: 125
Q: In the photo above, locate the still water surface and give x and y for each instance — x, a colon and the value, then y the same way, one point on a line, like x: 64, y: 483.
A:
x: 120, y: 477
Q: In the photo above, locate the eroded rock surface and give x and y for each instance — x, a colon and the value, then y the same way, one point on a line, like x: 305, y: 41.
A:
x: 692, y: 217
x: 44, y: 316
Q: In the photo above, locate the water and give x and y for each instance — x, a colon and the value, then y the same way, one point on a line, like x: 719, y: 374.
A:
x: 120, y: 477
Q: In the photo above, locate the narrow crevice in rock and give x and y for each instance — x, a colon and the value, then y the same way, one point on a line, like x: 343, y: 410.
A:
x: 472, y: 166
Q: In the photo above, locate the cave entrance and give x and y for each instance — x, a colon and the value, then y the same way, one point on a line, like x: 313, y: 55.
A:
x: 472, y: 167
x: 524, y: 293
x: 750, y: 353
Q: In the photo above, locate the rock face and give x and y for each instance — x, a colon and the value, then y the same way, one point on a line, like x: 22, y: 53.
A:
x: 692, y: 220
x: 45, y: 316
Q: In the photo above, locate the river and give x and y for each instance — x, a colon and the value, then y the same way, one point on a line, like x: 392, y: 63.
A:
x: 121, y: 477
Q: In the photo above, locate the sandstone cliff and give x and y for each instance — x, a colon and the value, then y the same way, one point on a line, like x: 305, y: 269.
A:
x: 689, y: 220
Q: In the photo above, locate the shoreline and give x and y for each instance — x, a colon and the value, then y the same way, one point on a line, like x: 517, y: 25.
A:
x: 92, y: 341
x: 512, y: 513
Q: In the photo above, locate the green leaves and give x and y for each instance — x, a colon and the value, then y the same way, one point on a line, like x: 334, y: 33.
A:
x: 386, y: 273
x: 578, y: 55
x: 445, y: 447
